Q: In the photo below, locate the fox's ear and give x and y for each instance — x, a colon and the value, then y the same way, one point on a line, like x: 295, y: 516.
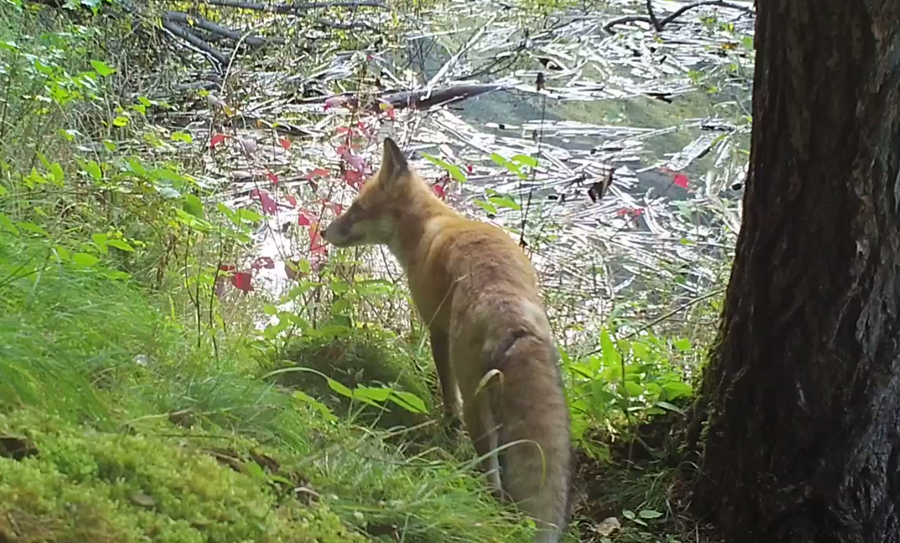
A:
x: 393, y: 163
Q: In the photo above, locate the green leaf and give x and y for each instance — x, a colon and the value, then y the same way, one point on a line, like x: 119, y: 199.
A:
x: 503, y: 201
x: 120, y: 121
x: 102, y: 68
x: 526, y: 160
x: 182, y: 136
x: 633, y: 389
x: 379, y: 394
x: 317, y: 405
x: 454, y: 171
x: 56, y: 173
x: 93, y: 169
x: 121, y: 245
x: 487, y: 206
x: 100, y: 240
x: 33, y: 228
x: 511, y: 166
x: 43, y: 68
x: 110, y: 145
x: 649, y: 514
x: 270, y: 309
x: 670, y: 407
x: 248, y: 215
x: 675, y: 390
x: 611, y: 357
x: 683, y: 345
x: 408, y: 401
x: 339, y: 388
x: 7, y: 224
x: 632, y: 517
x: 84, y: 259
x: 193, y: 205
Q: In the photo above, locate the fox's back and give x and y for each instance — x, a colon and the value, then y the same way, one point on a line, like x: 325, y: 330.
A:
x: 477, y: 270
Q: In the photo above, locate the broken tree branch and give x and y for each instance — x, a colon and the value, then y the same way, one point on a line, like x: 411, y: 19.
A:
x: 182, y: 32
x: 217, y: 29
x: 660, y: 24
x: 295, y: 8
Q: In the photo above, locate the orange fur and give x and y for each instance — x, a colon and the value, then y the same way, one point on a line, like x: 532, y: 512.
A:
x: 491, y: 340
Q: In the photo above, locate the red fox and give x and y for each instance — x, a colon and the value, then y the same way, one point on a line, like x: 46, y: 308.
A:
x: 490, y: 338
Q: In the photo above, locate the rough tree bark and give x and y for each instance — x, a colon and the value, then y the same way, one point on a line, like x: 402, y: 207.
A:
x: 801, y: 399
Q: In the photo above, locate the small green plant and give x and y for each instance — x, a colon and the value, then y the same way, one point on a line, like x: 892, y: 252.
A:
x: 629, y: 381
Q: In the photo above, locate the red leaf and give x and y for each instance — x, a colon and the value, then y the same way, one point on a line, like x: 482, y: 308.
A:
x: 318, y: 172
x: 285, y: 143
x: 470, y: 168
x: 316, y: 246
x: 439, y: 191
x: 272, y: 177
x: 305, y: 218
x: 334, y: 101
x: 227, y: 268
x: 362, y: 128
x: 265, y: 199
x: 217, y: 139
x: 343, y: 129
x: 242, y: 281
x: 681, y: 181
x: 336, y: 208
x: 291, y: 199
x: 353, y: 178
x: 263, y: 262
x: 630, y: 212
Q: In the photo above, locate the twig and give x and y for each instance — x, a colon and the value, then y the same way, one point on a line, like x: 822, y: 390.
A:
x: 455, y: 58
x: 294, y: 8
x: 659, y: 25
x: 652, y: 15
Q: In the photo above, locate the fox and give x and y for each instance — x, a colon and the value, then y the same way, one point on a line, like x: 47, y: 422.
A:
x: 497, y: 363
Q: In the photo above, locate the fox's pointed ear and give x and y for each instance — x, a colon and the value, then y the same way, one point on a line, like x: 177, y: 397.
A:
x: 393, y: 163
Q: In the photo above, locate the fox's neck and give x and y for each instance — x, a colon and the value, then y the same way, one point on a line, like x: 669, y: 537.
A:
x: 416, y: 225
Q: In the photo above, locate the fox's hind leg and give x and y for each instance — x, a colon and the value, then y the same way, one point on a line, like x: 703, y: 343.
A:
x: 483, y: 432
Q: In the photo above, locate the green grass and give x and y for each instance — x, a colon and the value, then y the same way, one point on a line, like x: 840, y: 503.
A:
x: 125, y: 415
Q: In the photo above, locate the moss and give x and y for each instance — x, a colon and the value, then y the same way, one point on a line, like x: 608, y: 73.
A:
x: 83, y: 485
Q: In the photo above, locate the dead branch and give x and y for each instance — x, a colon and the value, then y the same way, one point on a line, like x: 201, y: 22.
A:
x: 324, y: 23
x: 295, y: 8
x: 194, y: 40
x: 216, y: 29
x: 660, y: 24
x: 416, y: 99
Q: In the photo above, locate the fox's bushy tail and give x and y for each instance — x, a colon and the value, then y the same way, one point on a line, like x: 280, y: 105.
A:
x: 533, y: 422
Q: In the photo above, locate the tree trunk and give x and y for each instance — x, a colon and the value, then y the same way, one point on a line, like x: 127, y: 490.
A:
x: 801, y: 399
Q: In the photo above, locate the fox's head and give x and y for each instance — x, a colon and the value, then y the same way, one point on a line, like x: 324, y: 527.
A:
x: 375, y: 214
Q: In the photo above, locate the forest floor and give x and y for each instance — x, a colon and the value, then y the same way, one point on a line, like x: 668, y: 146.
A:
x: 182, y: 359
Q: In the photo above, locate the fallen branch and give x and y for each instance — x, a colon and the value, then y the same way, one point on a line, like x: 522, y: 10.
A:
x: 295, y: 8
x: 660, y: 24
x: 417, y: 99
x: 217, y: 29
x: 324, y: 23
x: 182, y: 32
